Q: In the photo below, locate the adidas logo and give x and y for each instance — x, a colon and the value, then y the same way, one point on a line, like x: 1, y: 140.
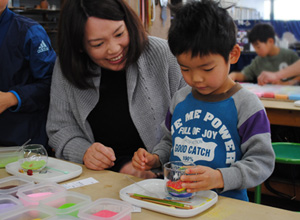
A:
x: 42, y: 48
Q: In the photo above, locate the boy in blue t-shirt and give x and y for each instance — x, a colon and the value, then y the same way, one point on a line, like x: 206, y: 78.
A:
x: 213, y: 122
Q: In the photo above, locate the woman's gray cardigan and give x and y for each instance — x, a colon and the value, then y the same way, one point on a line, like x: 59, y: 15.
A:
x: 151, y: 83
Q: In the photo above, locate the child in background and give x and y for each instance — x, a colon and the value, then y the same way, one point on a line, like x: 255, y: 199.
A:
x: 269, y: 56
x: 273, y: 59
x: 26, y: 64
x: 213, y: 122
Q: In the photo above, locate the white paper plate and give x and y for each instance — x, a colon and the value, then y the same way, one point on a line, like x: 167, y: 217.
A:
x: 53, y: 172
x: 202, y: 200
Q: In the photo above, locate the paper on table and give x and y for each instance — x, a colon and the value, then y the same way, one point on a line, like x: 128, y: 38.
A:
x: 80, y: 183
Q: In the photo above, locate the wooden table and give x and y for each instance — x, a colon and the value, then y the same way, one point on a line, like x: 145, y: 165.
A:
x: 110, y: 183
x: 282, y: 112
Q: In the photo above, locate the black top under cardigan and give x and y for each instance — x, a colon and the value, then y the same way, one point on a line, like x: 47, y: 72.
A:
x: 110, y: 120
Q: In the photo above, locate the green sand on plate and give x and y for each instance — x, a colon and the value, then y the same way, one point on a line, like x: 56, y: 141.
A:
x: 33, y: 165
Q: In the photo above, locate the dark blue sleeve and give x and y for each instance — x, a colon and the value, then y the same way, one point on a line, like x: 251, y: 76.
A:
x: 34, y: 95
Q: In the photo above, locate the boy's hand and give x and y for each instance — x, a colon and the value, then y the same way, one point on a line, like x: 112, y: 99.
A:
x: 204, y: 178
x: 143, y: 160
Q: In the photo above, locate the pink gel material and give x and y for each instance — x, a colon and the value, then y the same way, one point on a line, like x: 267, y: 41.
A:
x: 105, y: 213
x: 34, y: 198
x: 259, y: 94
x: 36, y: 195
x: 108, y: 214
x: 268, y: 95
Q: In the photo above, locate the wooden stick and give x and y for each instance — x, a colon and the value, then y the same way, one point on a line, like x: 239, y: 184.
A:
x: 161, y: 201
x: 155, y: 198
x: 165, y: 203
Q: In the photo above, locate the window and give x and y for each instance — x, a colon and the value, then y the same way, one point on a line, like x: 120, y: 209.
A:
x: 283, y: 9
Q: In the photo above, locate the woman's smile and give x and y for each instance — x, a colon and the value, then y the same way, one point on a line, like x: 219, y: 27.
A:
x: 116, y: 60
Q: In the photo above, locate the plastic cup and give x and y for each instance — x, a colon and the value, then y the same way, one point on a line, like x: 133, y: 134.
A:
x: 173, y: 185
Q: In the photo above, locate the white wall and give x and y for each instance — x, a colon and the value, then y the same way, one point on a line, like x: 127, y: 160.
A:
x: 256, y: 4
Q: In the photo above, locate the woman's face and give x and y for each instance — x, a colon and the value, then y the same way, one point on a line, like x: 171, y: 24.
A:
x: 106, y: 42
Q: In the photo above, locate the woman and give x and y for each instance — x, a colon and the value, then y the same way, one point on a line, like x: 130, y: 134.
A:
x: 111, y: 87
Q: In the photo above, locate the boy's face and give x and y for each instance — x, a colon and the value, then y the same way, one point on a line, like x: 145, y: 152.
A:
x: 263, y: 49
x: 207, y: 74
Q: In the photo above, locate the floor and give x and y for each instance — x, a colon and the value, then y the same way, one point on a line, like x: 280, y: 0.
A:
x: 275, y: 201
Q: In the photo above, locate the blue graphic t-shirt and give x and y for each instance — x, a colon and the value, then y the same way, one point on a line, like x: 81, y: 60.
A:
x: 203, y: 134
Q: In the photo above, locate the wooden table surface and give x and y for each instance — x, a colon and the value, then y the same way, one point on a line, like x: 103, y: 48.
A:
x: 282, y: 112
x: 110, y: 183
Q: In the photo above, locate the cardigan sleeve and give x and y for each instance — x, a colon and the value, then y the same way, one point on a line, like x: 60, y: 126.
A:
x: 66, y: 136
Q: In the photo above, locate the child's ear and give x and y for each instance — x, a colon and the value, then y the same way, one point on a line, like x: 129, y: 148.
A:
x: 270, y: 41
x: 235, y: 54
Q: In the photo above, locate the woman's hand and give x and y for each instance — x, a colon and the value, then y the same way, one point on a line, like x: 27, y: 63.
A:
x: 204, y: 178
x: 129, y: 169
x: 99, y: 157
x: 143, y: 160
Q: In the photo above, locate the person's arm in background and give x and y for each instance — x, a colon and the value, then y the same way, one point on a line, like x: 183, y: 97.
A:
x: 247, y: 73
x: 273, y: 77
x: 7, y: 100
x: 237, y: 76
x: 33, y: 94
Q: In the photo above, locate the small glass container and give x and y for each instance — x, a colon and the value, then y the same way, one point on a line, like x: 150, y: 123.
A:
x: 172, y: 173
x: 35, y: 157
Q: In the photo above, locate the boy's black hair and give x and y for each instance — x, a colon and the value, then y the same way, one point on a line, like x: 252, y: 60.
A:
x: 261, y: 32
x: 203, y: 28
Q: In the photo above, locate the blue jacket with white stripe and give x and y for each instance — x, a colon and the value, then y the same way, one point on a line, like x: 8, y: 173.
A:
x: 26, y: 63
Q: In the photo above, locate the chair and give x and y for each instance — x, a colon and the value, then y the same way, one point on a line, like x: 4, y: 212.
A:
x: 286, y: 153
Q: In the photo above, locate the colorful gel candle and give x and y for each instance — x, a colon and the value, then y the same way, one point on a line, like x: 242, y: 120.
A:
x: 175, y: 189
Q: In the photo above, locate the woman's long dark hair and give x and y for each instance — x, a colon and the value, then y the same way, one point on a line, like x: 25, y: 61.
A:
x: 74, y: 62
